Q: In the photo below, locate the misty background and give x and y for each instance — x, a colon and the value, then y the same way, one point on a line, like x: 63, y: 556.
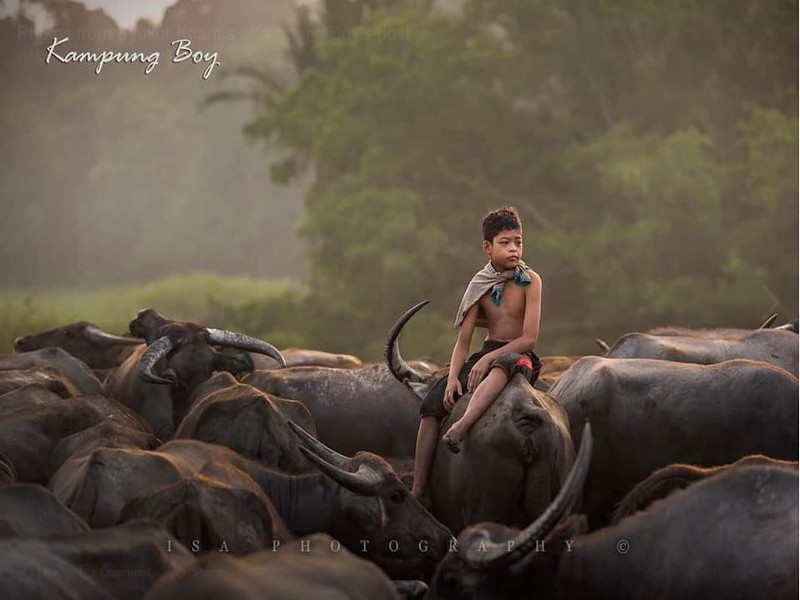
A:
x: 334, y: 169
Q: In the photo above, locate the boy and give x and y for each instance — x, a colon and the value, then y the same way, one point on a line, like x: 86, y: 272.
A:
x: 504, y: 297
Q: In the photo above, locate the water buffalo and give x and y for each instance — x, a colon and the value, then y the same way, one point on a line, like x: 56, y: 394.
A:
x: 306, y: 568
x: 44, y: 377
x: 733, y: 535
x: 247, y: 420
x: 648, y: 414
x: 774, y: 346
x: 354, y: 409
x: 34, y: 422
x: 78, y: 378
x: 85, y: 341
x: 110, y: 433
x: 291, y: 409
x: 721, y: 333
x: 121, y: 562
x: 208, y: 513
x: 375, y: 511
x: 99, y: 484
x: 513, y: 461
x: 554, y: 367
x: 30, y: 510
x: 663, y: 482
x: 790, y: 326
x: 359, y: 501
x: 298, y: 357
x: 157, y: 380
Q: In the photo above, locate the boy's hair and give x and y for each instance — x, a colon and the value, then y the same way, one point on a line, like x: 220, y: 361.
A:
x: 500, y: 219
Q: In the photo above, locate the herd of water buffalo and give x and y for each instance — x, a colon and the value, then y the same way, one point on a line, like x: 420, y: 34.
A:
x: 179, y: 460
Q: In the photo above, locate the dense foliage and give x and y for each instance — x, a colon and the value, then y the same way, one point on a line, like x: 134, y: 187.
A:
x: 651, y: 149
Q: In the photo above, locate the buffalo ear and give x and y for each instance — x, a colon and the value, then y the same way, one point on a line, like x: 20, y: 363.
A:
x: 420, y: 389
x: 528, y: 426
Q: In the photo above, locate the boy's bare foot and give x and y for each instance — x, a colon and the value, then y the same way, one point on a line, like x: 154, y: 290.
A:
x: 452, y: 439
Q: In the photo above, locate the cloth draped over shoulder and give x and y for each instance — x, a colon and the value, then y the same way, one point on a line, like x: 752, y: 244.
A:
x: 490, y: 279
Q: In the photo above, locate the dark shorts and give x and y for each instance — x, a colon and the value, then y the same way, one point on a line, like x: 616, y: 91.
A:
x: 511, y: 363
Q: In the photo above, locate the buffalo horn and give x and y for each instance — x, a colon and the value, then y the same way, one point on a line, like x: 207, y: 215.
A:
x: 768, y: 323
x: 399, y: 367
x: 220, y: 337
x: 497, y: 555
x: 151, y: 356
x: 366, y: 480
x: 603, y: 346
x: 97, y: 335
x: 320, y: 449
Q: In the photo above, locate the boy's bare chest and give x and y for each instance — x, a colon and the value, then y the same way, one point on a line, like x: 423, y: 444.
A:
x: 512, y: 305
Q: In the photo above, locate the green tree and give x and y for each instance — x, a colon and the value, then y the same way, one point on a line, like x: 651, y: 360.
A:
x: 401, y: 99
x: 650, y: 149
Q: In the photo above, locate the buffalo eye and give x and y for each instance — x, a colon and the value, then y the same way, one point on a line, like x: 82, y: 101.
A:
x: 397, y: 497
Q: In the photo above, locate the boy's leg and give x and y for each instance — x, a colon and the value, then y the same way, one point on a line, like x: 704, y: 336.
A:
x: 481, y: 399
x: 432, y: 412
x: 427, y: 438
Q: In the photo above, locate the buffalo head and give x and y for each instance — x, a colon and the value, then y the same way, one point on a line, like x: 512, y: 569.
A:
x: 83, y: 340
x: 181, y: 354
x: 494, y: 561
x: 383, y: 520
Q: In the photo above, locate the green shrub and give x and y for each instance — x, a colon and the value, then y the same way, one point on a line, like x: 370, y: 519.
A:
x: 260, y: 307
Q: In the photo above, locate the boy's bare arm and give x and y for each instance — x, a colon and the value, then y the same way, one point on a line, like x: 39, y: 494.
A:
x: 459, y: 357
x: 524, y: 343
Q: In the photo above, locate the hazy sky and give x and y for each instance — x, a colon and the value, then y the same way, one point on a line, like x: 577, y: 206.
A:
x: 124, y: 12
x: 127, y: 12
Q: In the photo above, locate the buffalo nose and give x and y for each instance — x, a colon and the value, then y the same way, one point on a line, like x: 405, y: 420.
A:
x: 20, y: 344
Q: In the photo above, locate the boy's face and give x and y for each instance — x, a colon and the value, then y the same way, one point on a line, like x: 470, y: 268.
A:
x: 505, y: 250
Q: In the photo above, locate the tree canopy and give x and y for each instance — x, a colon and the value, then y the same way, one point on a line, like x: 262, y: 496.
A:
x: 650, y: 147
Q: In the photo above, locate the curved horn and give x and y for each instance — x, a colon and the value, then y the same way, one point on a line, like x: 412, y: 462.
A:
x: 320, y: 449
x: 497, y: 554
x: 399, y: 367
x: 97, y: 335
x: 791, y: 326
x: 603, y: 346
x: 768, y: 323
x: 241, y: 341
x: 366, y: 481
x: 151, y: 356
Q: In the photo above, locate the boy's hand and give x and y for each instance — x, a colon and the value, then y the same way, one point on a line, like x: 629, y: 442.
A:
x: 453, y: 388
x: 478, y: 372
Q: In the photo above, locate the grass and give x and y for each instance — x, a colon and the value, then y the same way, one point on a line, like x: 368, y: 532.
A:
x: 205, y: 297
